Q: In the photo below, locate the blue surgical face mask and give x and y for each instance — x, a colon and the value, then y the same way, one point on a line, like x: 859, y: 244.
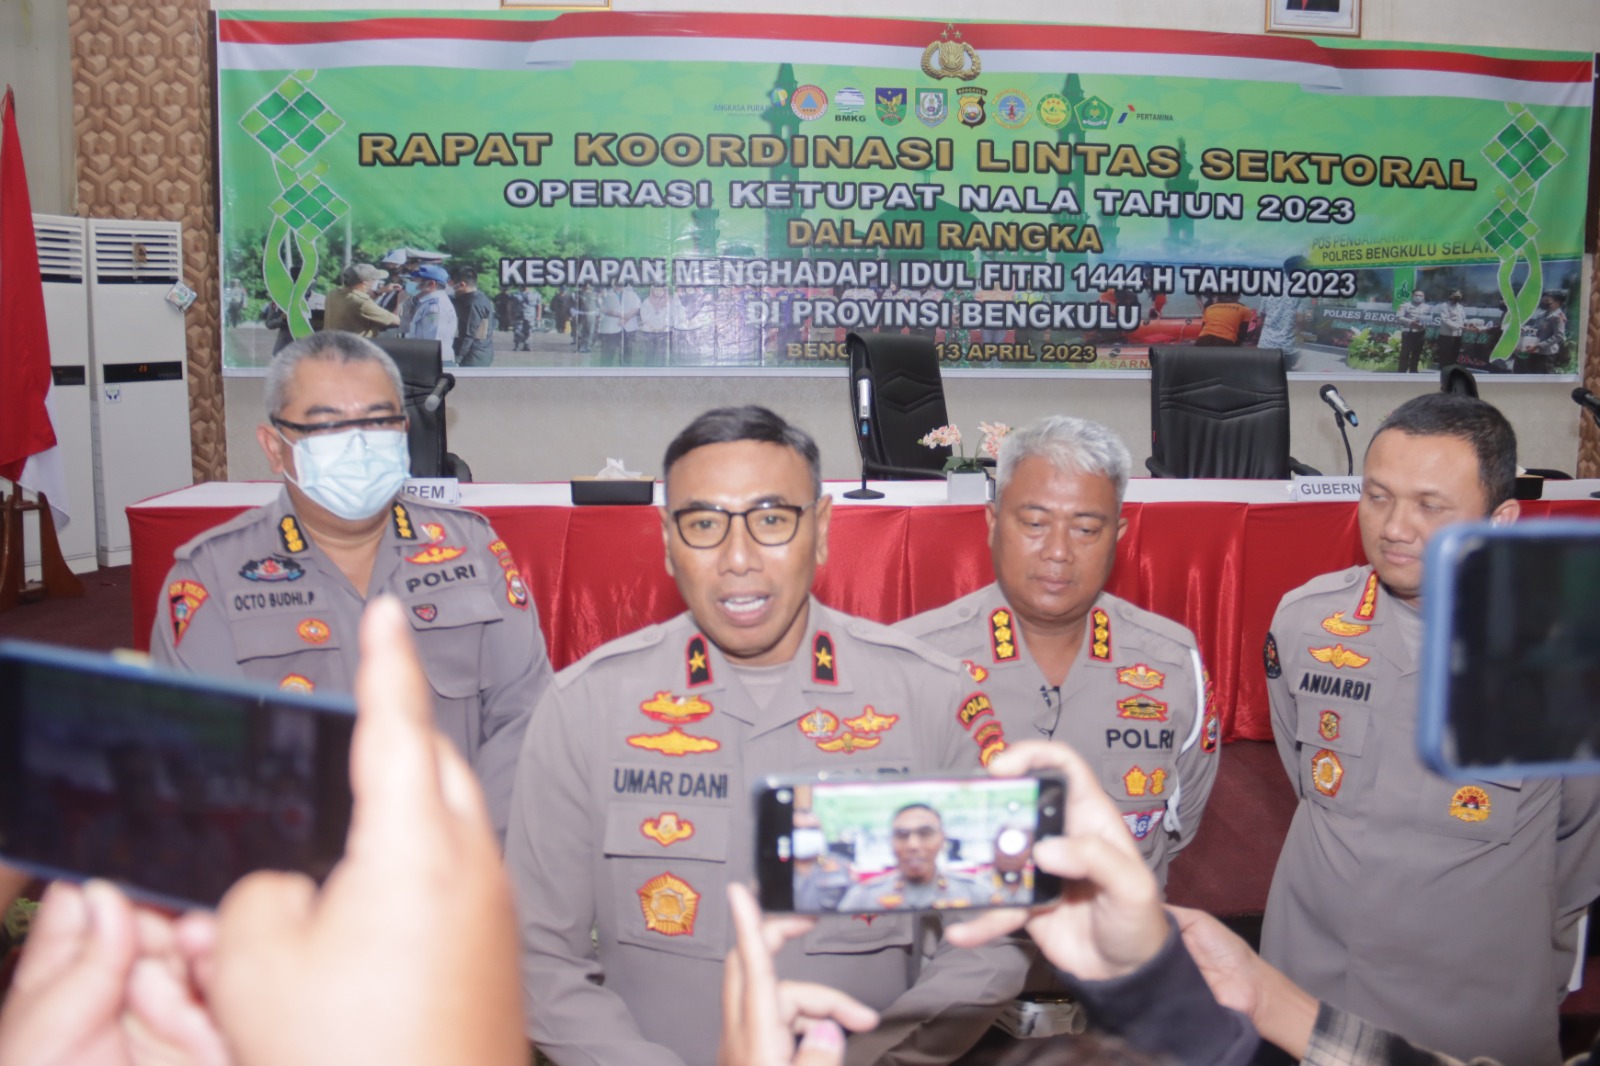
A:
x: 354, y: 474
x: 412, y: 288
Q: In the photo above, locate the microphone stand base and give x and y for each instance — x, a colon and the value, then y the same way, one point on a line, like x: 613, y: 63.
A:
x: 864, y: 493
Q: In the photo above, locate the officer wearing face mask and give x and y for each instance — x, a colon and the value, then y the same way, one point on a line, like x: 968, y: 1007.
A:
x: 275, y: 595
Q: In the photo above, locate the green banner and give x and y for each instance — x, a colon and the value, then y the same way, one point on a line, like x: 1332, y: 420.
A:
x: 700, y: 190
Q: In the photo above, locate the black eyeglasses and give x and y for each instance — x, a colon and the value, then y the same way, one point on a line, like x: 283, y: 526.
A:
x: 771, y: 525
x: 396, y: 422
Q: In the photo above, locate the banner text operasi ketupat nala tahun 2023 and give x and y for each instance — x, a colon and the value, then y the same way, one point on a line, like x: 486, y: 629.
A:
x: 744, y: 190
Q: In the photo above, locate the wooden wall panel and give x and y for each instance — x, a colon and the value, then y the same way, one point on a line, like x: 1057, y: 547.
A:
x: 141, y: 108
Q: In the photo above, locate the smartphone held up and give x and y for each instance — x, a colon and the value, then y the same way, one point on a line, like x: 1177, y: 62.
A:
x: 871, y: 846
x: 172, y: 785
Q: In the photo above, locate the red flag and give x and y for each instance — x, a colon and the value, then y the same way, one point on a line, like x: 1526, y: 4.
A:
x: 24, y: 346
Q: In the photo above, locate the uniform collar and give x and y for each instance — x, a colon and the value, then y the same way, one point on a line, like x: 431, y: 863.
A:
x: 804, y: 685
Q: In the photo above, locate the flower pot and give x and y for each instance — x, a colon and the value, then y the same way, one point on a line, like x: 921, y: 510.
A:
x: 967, y: 486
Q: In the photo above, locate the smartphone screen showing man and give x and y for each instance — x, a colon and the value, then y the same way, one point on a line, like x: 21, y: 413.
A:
x: 869, y: 847
x: 171, y: 785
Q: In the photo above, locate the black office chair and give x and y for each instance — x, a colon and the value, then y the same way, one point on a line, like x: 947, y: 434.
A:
x: 1220, y: 413
x: 1458, y: 380
x: 421, y: 366
x: 905, y: 404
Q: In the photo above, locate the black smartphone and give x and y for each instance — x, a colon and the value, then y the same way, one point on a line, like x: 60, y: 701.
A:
x: 171, y: 785
x: 1511, y: 649
x: 850, y: 845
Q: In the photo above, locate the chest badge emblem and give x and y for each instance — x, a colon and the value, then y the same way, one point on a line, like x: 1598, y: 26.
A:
x: 1141, y: 676
x: 669, y: 904
x: 1327, y: 772
x: 1339, y: 657
x: 1470, y: 804
x: 1336, y: 625
x: 667, y: 829
x: 1328, y: 725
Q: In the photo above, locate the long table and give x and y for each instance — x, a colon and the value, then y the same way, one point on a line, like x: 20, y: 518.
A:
x: 1215, y: 555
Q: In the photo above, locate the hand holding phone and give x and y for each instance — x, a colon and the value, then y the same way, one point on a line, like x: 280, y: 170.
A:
x: 1110, y: 920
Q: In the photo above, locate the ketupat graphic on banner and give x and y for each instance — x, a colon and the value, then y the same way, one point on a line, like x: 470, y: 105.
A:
x: 720, y: 190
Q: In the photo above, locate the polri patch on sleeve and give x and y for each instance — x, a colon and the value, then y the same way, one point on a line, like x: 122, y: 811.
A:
x: 1269, y: 657
x: 824, y: 671
x: 184, y: 599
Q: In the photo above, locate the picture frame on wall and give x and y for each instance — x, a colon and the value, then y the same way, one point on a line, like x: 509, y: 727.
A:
x: 1339, y: 18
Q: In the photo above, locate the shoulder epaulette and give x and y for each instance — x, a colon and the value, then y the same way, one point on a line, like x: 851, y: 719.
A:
x: 1176, y: 634
x: 1336, y: 581
x: 639, y: 639
x: 237, y: 523
x: 883, y: 636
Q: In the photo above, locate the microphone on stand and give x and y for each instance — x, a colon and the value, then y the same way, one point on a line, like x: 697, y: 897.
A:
x: 1331, y: 397
x: 864, y: 431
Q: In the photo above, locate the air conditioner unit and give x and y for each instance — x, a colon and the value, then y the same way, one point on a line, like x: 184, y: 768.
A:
x: 60, y: 241
x: 140, y: 398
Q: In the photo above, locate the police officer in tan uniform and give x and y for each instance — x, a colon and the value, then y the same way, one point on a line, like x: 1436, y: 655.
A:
x: 633, y: 809
x: 1063, y: 659
x: 275, y: 594
x: 1442, y: 910
x: 916, y: 834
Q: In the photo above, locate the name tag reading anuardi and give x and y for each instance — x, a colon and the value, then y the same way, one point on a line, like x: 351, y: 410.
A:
x: 1325, y: 489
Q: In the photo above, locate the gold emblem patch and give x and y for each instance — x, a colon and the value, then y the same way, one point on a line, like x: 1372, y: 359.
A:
x: 819, y: 724
x: 870, y: 721
x: 698, y: 661
x: 297, y: 683
x: 1139, y: 783
x: 1002, y: 638
x: 849, y: 743
x: 1339, y: 657
x: 1470, y: 804
x: 974, y: 671
x: 1101, y: 647
x: 669, y: 905
x: 665, y: 707
x: 1327, y: 772
x: 822, y: 665
x: 1141, y: 676
x: 314, y: 631
x: 402, y: 522
x: 436, y: 553
x: 667, y: 829
x: 1142, y: 707
x: 1336, y: 625
x: 674, y: 742
x: 1328, y: 725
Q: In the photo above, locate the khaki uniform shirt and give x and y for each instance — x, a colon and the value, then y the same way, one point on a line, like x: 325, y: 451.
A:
x: 889, y: 891
x: 1133, y: 705
x: 256, y: 598
x: 1441, y: 910
x: 356, y: 312
x: 633, y: 812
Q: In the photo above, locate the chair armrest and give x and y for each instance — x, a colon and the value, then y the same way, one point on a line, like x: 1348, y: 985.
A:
x: 1297, y: 467
x: 1160, y: 469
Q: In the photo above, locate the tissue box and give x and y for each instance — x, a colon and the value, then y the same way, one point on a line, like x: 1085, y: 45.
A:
x: 591, y: 490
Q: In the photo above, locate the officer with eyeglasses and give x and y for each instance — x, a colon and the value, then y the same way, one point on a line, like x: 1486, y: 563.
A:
x: 275, y: 595
x: 632, y: 811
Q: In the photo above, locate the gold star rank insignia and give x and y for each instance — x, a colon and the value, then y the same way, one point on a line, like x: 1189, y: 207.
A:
x: 402, y: 522
x: 1002, y: 639
x: 1100, y: 648
x: 698, y: 661
x: 1369, y: 599
x: 289, y: 535
x: 822, y: 667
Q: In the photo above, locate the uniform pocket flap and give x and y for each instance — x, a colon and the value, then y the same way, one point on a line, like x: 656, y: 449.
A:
x: 448, y: 624
x: 657, y: 831
x: 451, y: 607
x: 289, y: 633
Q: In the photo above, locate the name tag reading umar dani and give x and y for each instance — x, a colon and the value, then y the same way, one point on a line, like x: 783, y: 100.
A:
x: 1325, y: 489
x: 433, y: 489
